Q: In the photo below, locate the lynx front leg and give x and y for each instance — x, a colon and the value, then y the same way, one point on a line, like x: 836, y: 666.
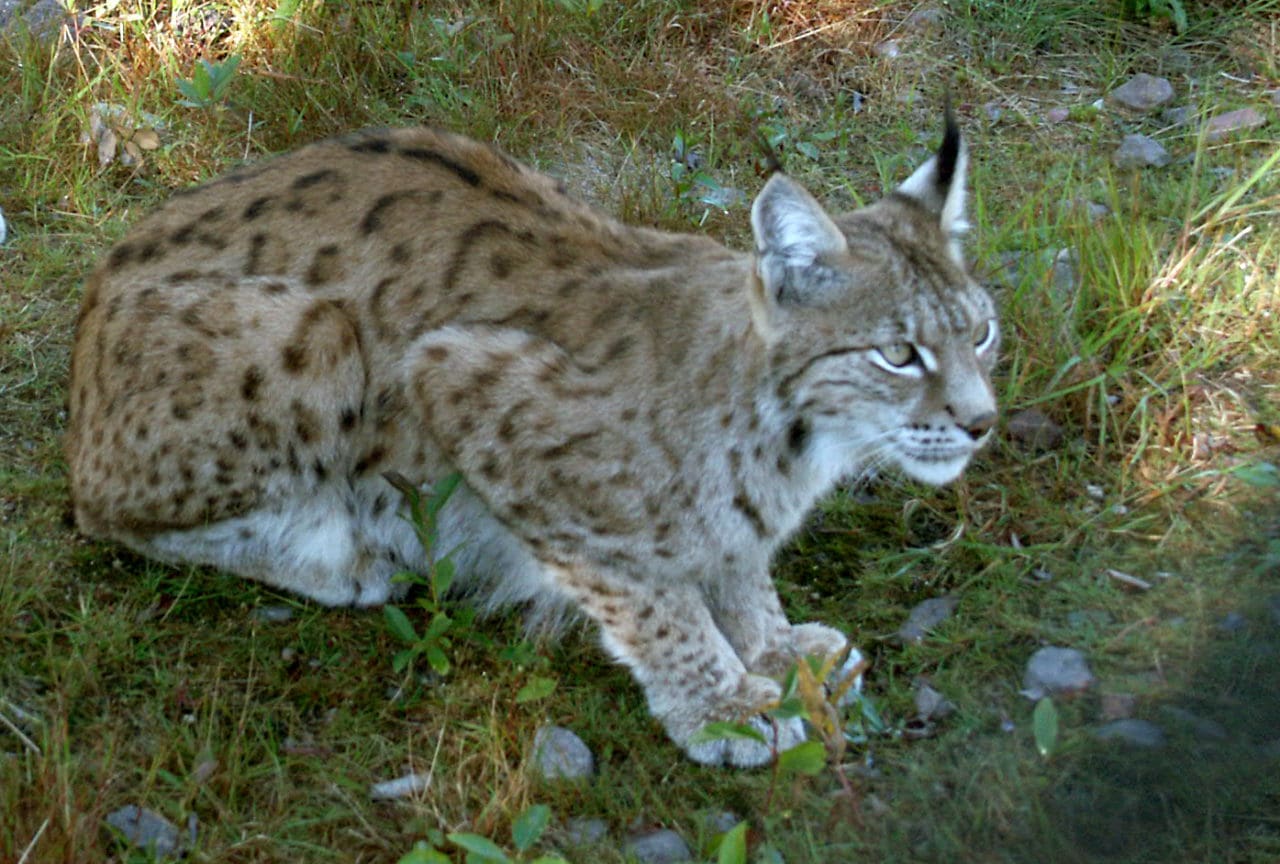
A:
x: 751, y: 617
x: 690, y: 673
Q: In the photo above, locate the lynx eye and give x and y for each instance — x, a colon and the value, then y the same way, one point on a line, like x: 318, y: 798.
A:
x: 898, y: 354
x: 983, y: 334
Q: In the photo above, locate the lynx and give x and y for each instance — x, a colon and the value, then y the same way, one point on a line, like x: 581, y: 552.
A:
x: 639, y: 418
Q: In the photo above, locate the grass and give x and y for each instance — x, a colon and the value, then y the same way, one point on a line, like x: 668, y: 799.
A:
x: 128, y: 682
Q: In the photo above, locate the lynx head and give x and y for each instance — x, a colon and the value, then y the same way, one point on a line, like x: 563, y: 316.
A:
x: 880, y: 341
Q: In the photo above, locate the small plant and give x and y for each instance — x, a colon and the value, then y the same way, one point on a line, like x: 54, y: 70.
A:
x: 436, y: 640
x: 208, y: 85
x: 526, y: 831
x: 1045, y: 727
x: 1172, y: 11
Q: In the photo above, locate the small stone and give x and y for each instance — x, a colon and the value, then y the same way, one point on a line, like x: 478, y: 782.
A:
x: 993, y: 110
x: 271, y: 614
x: 926, y: 616
x: 1057, y: 115
x: 147, y: 830
x: 407, y: 786
x: 663, y: 846
x: 1224, y: 125
x: 1202, y: 727
x: 584, y: 832
x: 204, y: 770
x: 1233, y: 622
x: 930, y: 704
x: 888, y: 49
x: 1141, y: 733
x: 4, y: 231
x: 720, y: 821
x: 1176, y: 116
x: 929, y: 18
x: 1142, y: 93
x: 559, y: 754
x: 1033, y: 429
x: 1055, y: 671
x: 1118, y: 706
x: 1139, y: 151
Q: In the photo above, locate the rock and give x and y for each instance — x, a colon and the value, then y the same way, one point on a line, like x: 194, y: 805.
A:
x: 993, y: 110
x: 147, y: 830
x: 1202, y: 728
x: 1233, y: 622
x: 1139, y: 151
x: 663, y: 846
x: 1118, y: 706
x: 407, y: 786
x: 558, y: 754
x: 1141, y: 733
x: 1057, y: 115
x: 1054, y: 671
x: 930, y: 704
x: 929, y: 18
x: 720, y: 821
x: 3, y: 228
x: 1033, y: 429
x: 584, y: 832
x: 1223, y: 125
x: 926, y: 616
x: 271, y: 614
x: 1142, y: 93
x: 1177, y: 116
x: 888, y: 49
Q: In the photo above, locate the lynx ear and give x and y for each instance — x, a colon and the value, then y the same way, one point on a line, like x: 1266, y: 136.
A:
x: 794, y: 236
x: 939, y: 185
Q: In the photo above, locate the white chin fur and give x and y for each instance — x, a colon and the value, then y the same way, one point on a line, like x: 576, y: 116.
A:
x: 935, y: 473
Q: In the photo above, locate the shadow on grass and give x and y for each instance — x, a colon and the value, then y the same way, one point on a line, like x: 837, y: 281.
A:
x: 1211, y: 791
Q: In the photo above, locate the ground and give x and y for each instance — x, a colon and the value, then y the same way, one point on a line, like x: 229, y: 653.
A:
x: 1143, y: 330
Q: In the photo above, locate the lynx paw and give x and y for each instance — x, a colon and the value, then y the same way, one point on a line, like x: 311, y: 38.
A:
x: 753, y: 694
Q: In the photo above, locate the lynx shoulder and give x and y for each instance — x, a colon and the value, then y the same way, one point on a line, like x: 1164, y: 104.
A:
x: 640, y: 418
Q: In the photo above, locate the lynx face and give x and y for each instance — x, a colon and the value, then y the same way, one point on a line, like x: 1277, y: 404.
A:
x: 640, y: 419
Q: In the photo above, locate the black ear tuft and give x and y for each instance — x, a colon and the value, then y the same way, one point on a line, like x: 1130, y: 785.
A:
x: 949, y: 151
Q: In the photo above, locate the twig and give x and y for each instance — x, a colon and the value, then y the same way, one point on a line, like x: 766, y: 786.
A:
x: 31, y: 745
x: 34, y: 840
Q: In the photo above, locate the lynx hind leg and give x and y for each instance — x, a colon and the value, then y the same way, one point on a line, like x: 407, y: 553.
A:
x: 212, y: 419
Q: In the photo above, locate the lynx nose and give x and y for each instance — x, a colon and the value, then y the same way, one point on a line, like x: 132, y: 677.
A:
x: 980, y: 425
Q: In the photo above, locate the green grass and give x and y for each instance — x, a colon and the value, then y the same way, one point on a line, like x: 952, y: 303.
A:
x: 126, y: 681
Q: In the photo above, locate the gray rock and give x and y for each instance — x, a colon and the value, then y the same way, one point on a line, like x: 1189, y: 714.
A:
x: 1057, y: 115
x: 663, y: 846
x: 1034, y: 429
x: 720, y: 821
x: 1141, y: 733
x: 1224, y: 125
x: 271, y: 614
x: 559, y: 754
x: 1233, y: 622
x: 1142, y: 93
x: 930, y: 704
x: 929, y: 18
x: 1176, y: 116
x: 888, y: 49
x: 584, y: 832
x: 1055, y: 671
x: 1203, y: 728
x: 3, y: 228
x: 1139, y: 151
x: 147, y: 830
x: 926, y: 616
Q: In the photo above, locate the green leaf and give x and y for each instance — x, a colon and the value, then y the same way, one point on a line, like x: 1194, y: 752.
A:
x: 1044, y: 725
x: 399, y: 624
x: 1259, y: 474
x: 807, y: 757
x: 403, y: 659
x: 792, y: 706
x: 536, y: 688
x: 529, y: 825
x: 549, y: 859
x: 437, y: 660
x: 733, y: 845
x: 482, y: 848
x: 421, y: 853
x: 722, y: 729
